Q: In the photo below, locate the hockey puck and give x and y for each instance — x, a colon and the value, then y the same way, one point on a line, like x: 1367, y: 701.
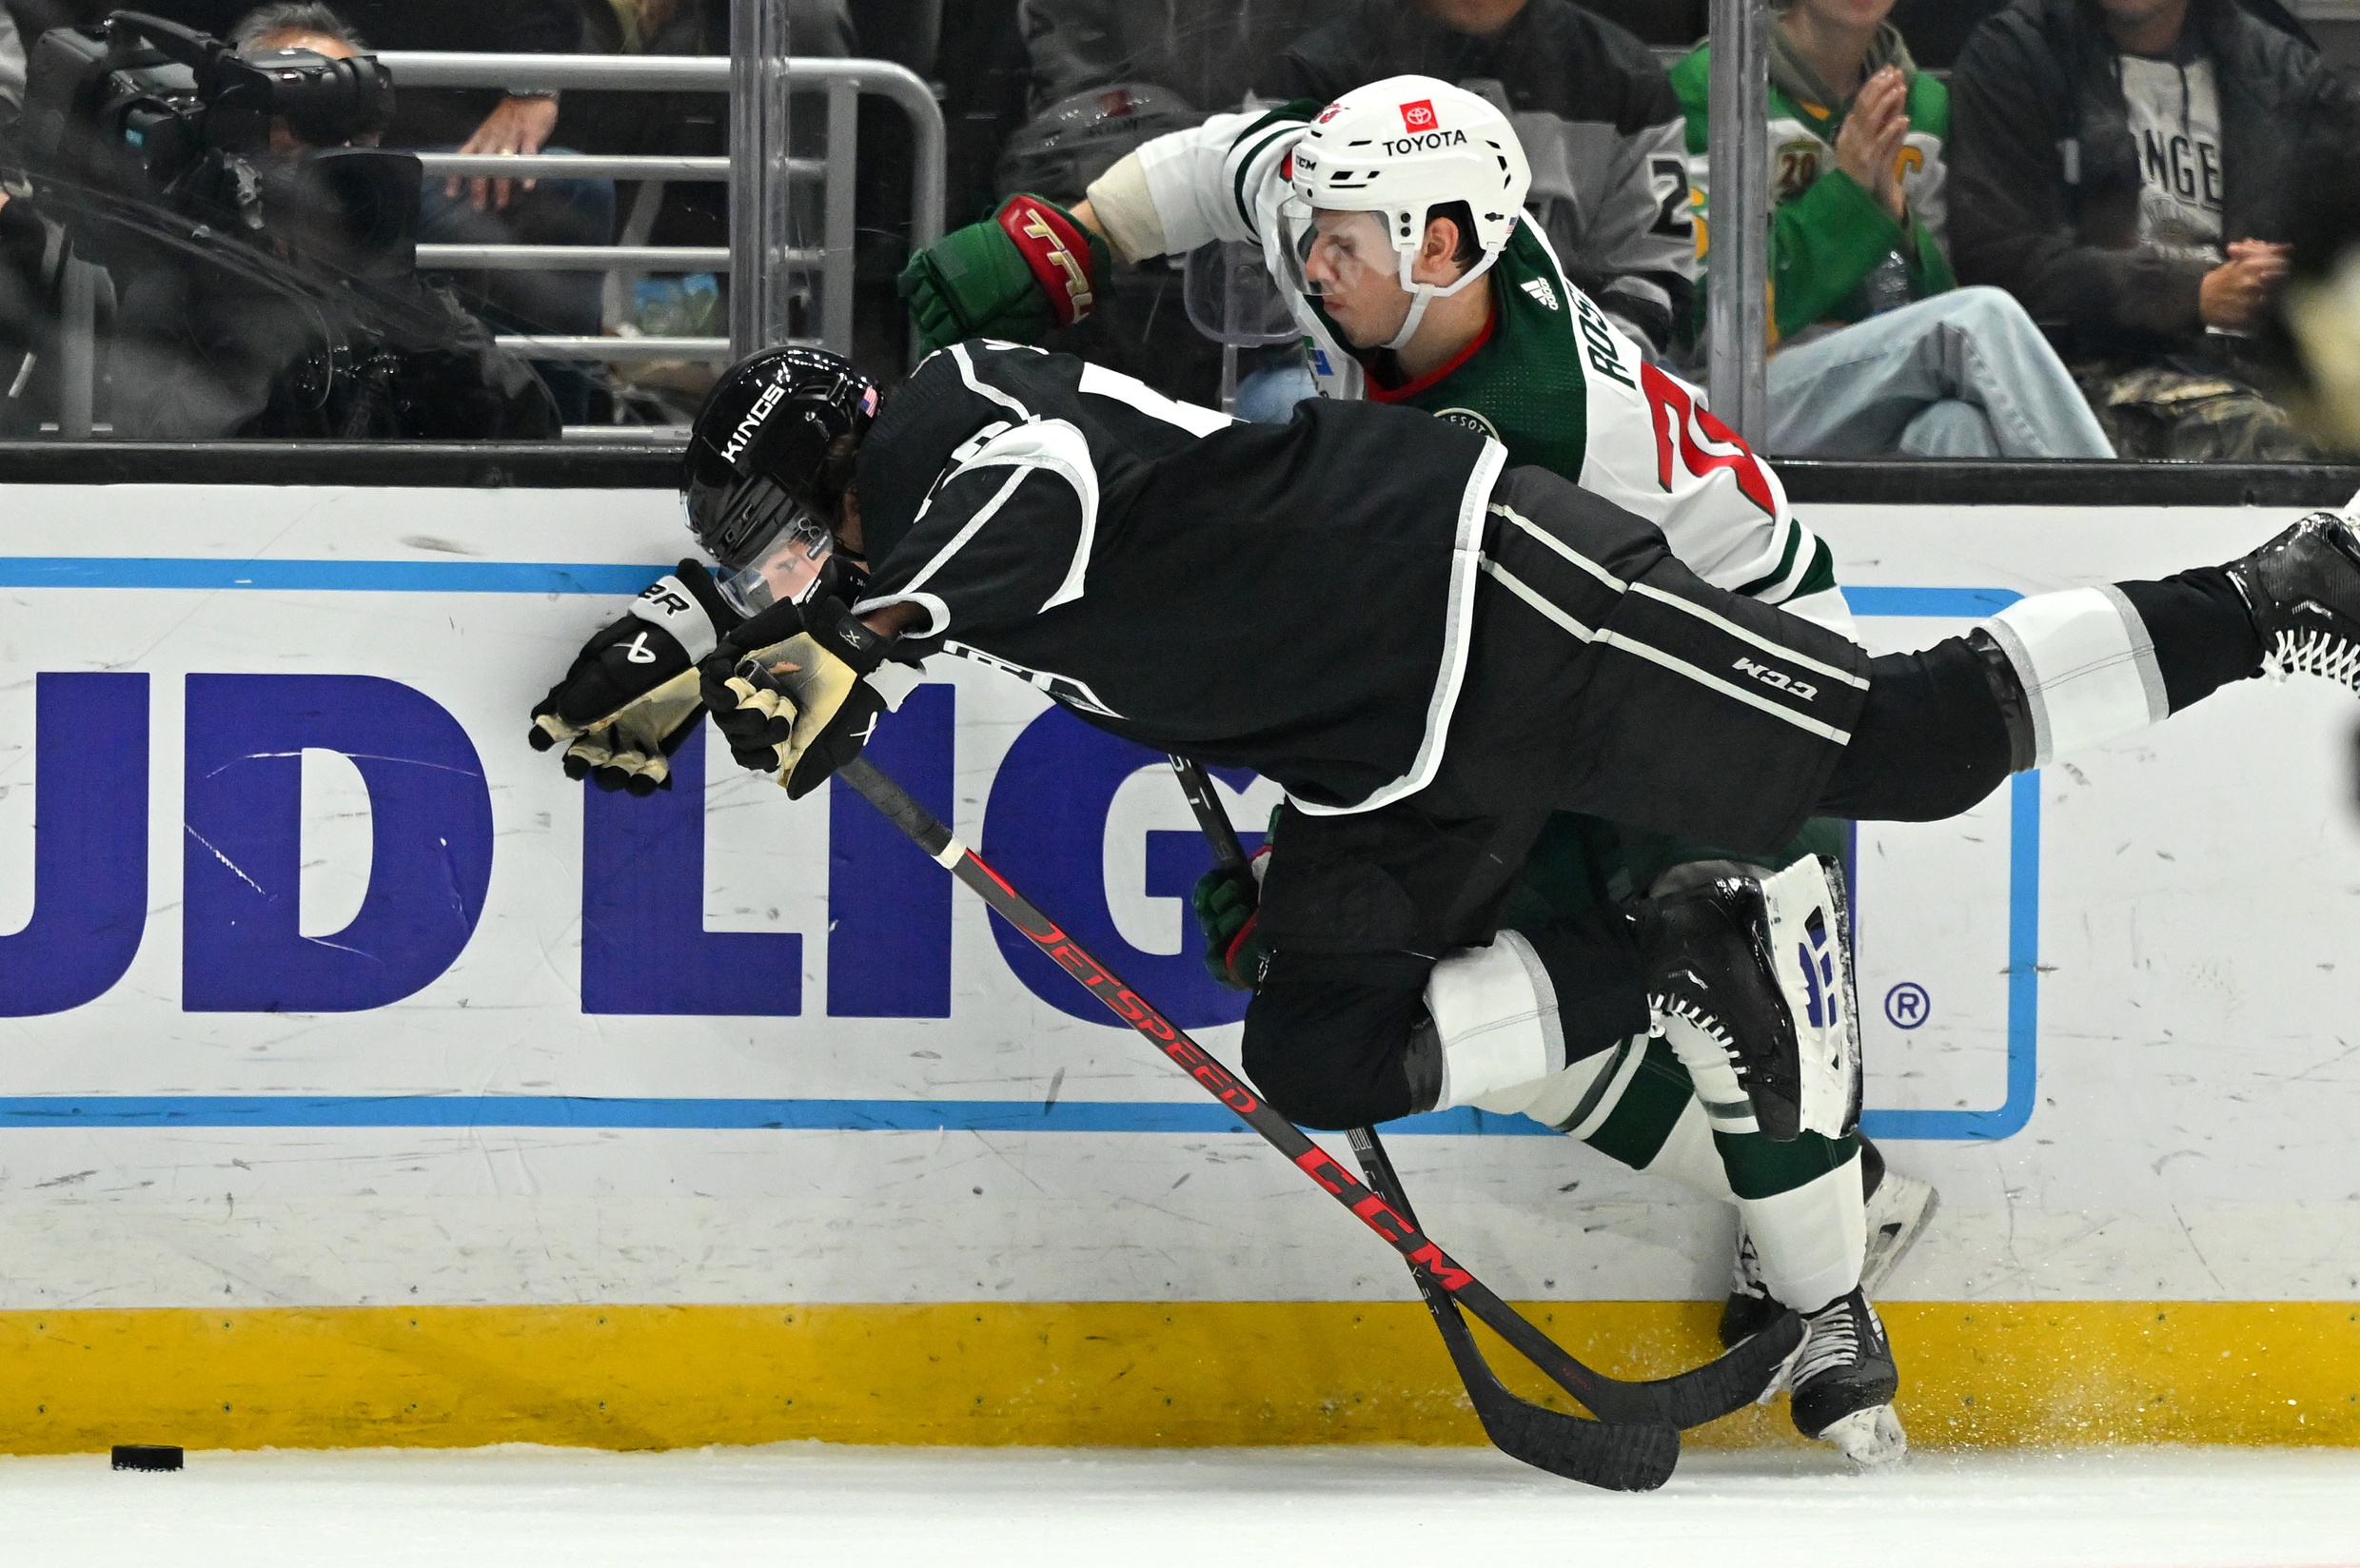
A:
x: 146, y: 1456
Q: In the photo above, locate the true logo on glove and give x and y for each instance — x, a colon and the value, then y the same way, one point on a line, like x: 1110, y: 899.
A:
x: 1048, y: 245
x: 1076, y: 282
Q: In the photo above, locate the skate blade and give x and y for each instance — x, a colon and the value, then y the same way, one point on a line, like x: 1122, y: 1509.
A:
x: 1897, y: 1215
x: 1871, y: 1439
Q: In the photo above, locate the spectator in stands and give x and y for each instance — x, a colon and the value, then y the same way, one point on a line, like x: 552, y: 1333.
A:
x: 12, y: 67
x: 1105, y: 75
x: 2322, y: 301
x: 2124, y: 169
x: 485, y: 211
x: 1595, y: 114
x: 271, y: 338
x: 1875, y: 351
x: 1213, y: 54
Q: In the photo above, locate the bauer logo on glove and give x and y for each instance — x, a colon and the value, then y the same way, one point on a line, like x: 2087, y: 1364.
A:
x: 632, y: 695
x: 798, y: 690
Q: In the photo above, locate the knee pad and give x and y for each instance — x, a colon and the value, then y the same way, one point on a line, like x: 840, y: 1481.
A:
x: 1811, y: 1239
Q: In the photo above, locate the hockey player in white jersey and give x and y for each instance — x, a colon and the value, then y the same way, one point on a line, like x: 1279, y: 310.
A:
x: 1395, y: 218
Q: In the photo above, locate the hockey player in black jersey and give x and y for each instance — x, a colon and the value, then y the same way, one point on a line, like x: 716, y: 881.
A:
x: 1430, y: 651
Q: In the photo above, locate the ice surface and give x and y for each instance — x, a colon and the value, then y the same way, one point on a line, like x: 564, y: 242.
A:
x: 870, y: 1507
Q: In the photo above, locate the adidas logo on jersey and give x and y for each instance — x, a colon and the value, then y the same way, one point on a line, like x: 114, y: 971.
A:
x: 1539, y: 288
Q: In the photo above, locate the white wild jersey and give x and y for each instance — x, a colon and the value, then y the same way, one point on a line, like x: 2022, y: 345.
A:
x: 1551, y: 379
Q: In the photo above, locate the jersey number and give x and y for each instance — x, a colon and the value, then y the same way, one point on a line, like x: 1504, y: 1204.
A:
x: 1704, y: 444
x: 1670, y: 177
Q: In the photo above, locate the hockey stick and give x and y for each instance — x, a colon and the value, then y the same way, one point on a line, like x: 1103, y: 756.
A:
x: 1516, y: 1426
x: 1632, y: 1457
x: 1732, y: 1381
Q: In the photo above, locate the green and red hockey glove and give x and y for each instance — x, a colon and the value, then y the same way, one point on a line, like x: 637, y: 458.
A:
x: 1228, y: 911
x: 1031, y: 267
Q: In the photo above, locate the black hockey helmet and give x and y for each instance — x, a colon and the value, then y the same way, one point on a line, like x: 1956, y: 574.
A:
x: 759, y: 456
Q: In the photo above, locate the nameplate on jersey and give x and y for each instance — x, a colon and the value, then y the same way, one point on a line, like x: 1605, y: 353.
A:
x: 1605, y: 354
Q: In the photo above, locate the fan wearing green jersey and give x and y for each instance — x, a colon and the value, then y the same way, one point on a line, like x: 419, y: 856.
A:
x: 1875, y: 351
x: 1394, y: 218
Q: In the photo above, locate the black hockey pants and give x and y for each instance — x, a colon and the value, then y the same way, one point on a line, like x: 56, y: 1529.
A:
x: 1606, y: 677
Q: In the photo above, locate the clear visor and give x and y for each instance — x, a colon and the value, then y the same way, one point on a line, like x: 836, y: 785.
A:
x: 1328, y: 252
x: 783, y: 571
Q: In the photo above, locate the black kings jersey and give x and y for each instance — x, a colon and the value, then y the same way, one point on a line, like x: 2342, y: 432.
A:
x: 1293, y: 599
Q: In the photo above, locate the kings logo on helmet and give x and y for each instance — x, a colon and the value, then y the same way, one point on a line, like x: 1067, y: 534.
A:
x: 752, y: 422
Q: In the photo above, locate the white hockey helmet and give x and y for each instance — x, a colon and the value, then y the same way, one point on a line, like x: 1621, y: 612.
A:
x: 1397, y: 149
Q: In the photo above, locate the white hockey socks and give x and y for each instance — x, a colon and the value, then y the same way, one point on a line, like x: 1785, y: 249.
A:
x: 1495, y: 1018
x: 1502, y: 1046
x: 1809, y: 1241
x: 2086, y: 666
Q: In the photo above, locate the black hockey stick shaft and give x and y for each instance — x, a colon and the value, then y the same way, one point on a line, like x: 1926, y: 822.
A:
x: 1212, y: 819
x: 1516, y: 1425
x: 1548, y: 1440
x: 1706, y: 1393
x: 1633, y: 1404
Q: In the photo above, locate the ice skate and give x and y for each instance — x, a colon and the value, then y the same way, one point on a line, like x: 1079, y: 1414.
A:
x: 1899, y: 1208
x: 1843, y: 1380
x: 2304, y: 590
x: 1761, y: 968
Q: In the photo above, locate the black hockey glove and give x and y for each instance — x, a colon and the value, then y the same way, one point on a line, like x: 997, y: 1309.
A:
x: 791, y: 690
x: 631, y: 696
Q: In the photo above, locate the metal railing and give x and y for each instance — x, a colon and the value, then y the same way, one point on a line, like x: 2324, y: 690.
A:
x: 1738, y: 216
x: 761, y: 255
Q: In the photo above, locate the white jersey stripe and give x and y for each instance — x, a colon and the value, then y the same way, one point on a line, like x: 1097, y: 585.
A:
x: 1514, y: 585
x: 1560, y: 546
x: 1767, y: 646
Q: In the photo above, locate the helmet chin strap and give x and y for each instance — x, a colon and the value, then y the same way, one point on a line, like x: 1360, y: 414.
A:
x: 1423, y: 295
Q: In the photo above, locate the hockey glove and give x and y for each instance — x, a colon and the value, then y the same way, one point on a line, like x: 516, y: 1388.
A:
x: 1228, y: 911
x: 791, y: 690
x: 631, y: 696
x: 1029, y: 268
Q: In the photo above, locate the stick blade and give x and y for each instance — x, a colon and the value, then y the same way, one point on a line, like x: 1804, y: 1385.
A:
x: 1619, y: 1458
x: 1718, y: 1387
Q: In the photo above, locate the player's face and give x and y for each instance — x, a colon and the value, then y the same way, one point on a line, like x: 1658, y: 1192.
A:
x: 1352, y: 266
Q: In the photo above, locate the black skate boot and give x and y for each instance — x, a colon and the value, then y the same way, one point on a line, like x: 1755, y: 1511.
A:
x: 1844, y: 1380
x: 1761, y: 968
x: 2304, y: 590
x: 1899, y: 1208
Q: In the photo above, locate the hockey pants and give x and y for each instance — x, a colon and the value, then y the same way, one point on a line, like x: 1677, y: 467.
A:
x: 1607, y: 680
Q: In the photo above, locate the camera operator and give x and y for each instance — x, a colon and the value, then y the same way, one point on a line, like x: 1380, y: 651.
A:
x: 292, y: 306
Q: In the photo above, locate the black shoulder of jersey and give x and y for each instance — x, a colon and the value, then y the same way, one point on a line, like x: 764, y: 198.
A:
x: 921, y: 425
